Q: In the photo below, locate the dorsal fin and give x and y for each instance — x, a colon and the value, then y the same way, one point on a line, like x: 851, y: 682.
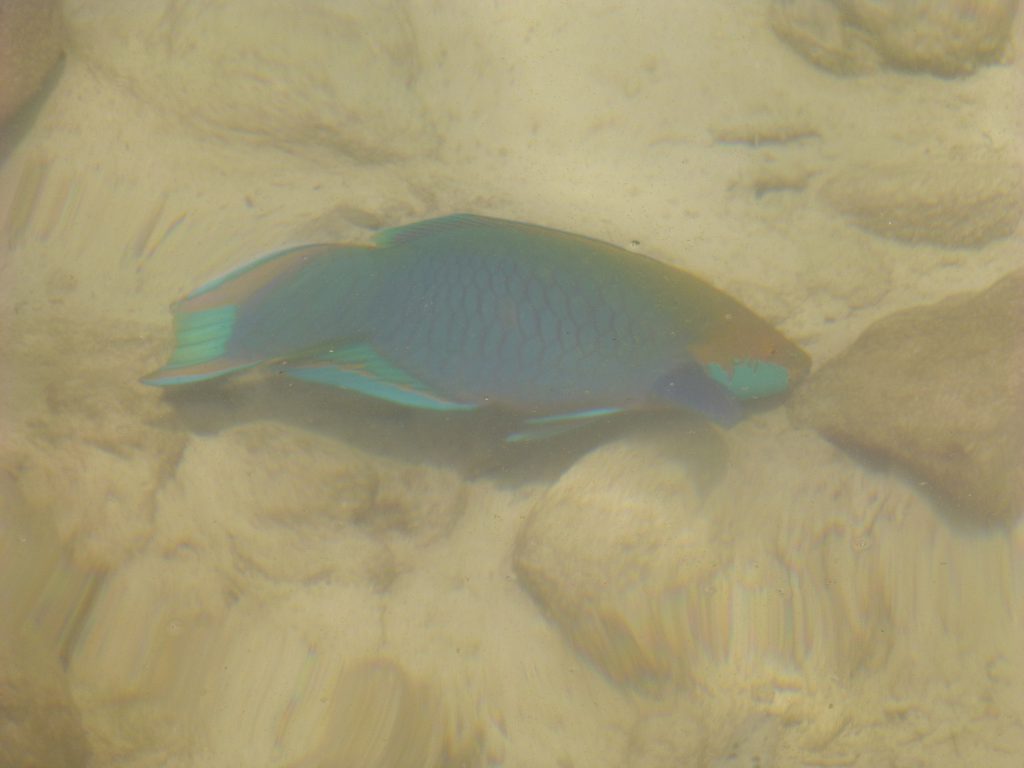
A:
x: 242, y: 282
x: 408, y: 232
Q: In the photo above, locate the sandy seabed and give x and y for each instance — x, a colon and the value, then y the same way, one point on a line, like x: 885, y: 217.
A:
x: 260, y: 574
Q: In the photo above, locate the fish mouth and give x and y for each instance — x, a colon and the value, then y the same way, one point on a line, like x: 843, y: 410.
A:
x: 754, y: 378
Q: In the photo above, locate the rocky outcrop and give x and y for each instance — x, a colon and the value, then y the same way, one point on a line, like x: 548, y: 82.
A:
x: 380, y: 717
x: 791, y: 573
x: 31, y: 41
x: 341, y: 79
x: 299, y: 507
x: 616, y: 530
x: 937, y: 390
x: 39, y: 723
x: 94, y: 454
x: 944, y: 37
x: 962, y: 201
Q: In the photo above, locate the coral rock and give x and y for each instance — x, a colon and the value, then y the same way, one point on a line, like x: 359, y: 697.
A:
x: 39, y: 723
x: 960, y: 202
x: 604, y: 544
x: 937, y: 390
x: 31, y: 41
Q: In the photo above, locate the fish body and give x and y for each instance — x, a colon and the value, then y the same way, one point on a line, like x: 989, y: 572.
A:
x: 466, y: 311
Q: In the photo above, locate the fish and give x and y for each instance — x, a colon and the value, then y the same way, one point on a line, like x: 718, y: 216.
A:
x: 465, y: 312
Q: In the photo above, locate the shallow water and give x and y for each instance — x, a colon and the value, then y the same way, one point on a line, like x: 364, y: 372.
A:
x: 256, y: 572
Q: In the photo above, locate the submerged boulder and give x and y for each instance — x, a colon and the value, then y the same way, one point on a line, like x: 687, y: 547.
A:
x: 340, y: 78
x: 963, y: 201
x: 298, y: 506
x: 39, y: 722
x: 778, y: 591
x: 938, y: 391
x: 943, y: 37
x: 604, y: 545
x: 380, y: 717
x: 31, y: 40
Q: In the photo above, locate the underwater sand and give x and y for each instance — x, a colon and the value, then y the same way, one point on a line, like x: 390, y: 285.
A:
x: 263, y: 574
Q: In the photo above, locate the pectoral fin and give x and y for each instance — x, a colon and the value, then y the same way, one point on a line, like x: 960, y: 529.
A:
x: 690, y: 387
x: 361, y: 369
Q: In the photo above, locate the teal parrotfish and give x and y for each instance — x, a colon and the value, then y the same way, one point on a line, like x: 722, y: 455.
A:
x: 464, y: 311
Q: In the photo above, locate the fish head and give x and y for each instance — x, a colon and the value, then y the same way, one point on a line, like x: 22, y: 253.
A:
x: 750, y: 358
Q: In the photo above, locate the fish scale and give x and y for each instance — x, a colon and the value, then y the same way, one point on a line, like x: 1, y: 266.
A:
x: 492, y: 372
x: 463, y: 311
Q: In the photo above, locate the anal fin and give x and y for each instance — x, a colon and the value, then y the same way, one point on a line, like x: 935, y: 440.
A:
x: 543, y: 427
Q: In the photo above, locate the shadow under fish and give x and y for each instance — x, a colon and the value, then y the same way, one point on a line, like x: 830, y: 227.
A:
x: 466, y: 312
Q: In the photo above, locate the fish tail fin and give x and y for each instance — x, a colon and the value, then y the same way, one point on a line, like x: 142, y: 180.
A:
x: 207, y: 321
x: 201, y: 338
